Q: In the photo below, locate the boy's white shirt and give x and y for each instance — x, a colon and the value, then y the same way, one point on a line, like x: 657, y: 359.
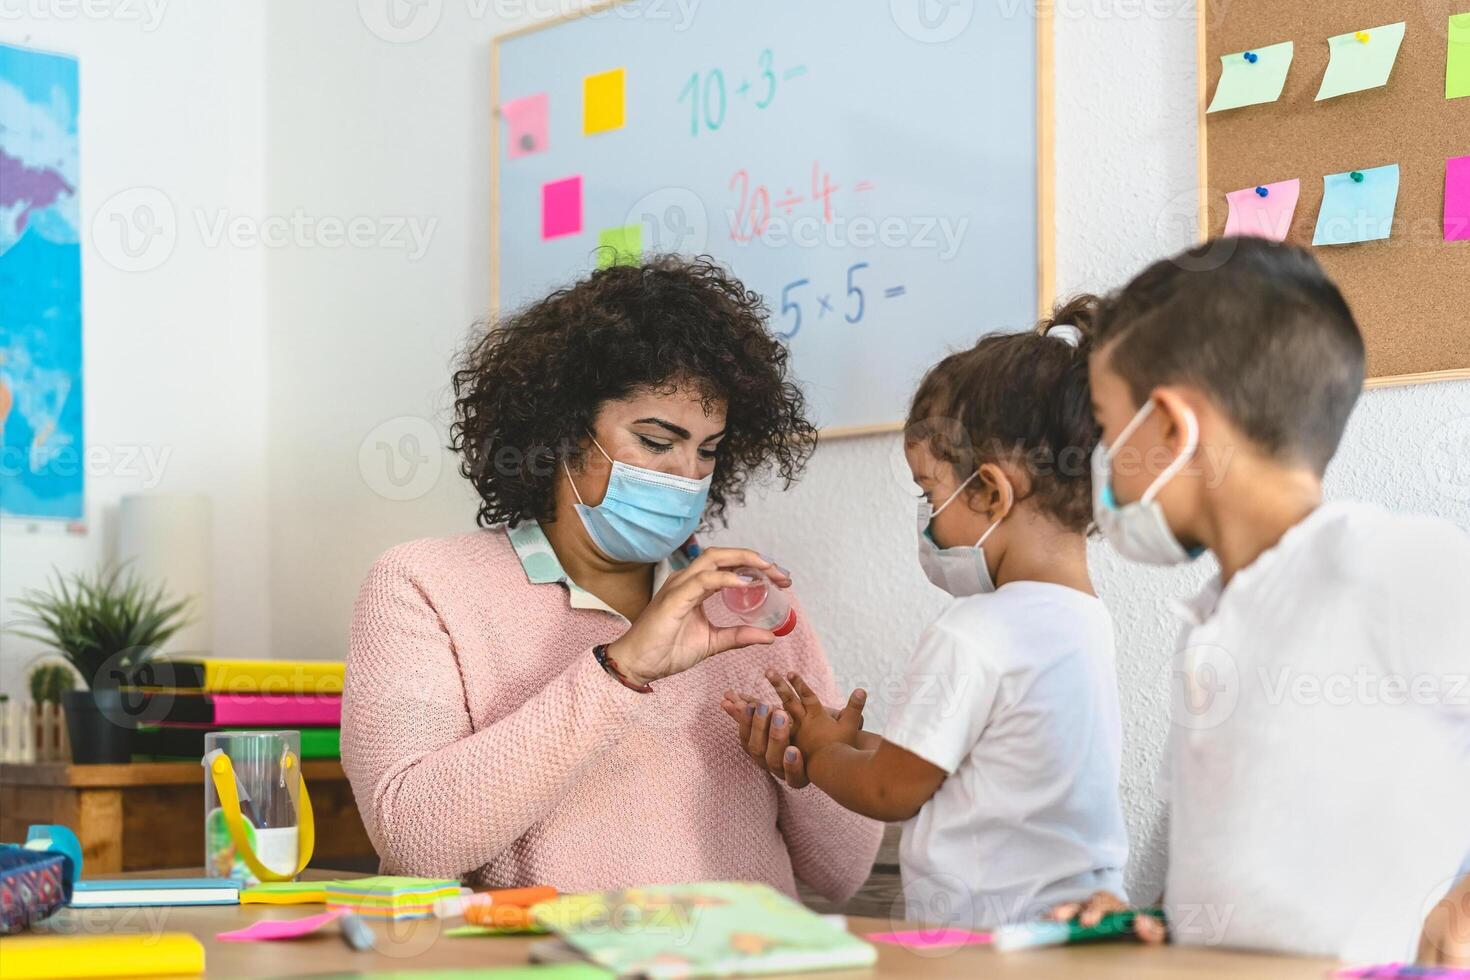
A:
x: 1318, y: 765
x: 1014, y: 695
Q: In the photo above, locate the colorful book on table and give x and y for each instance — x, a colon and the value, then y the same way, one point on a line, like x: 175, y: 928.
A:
x: 146, y: 954
x: 219, y: 676
x: 235, y: 710
x: 187, y: 741
x: 705, y: 929
x: 390, y: 896
x: 101, y: 893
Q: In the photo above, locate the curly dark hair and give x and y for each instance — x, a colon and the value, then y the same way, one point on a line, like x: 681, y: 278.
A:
x: 1020, y: 398
x: 526, y: 391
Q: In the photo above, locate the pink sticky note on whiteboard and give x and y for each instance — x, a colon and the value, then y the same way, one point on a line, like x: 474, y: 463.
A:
x: 561, y: 207
x: 1457, y: 200
x: 280, y: 928
x: 525, y: 119
x: 1266, y: 216
x: 931, y: 938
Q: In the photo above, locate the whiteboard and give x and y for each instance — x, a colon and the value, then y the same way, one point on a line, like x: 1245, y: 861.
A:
x: 878, y: 171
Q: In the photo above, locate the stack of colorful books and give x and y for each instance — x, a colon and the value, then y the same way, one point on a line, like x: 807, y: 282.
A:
x: 177, y: 702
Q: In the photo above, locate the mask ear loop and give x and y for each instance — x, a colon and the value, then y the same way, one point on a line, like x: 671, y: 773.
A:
x: 935, y: 513
x: 568, y: 471
x: 1191, y: 445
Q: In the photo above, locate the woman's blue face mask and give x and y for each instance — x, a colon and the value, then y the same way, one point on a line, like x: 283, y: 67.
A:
x: 645, y: 515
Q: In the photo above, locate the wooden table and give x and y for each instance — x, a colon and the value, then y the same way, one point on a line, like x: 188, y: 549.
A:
x: 419, y: 945
x: 144, y: 815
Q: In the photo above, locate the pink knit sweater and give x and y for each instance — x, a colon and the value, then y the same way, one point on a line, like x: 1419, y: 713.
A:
x: 484, y: 742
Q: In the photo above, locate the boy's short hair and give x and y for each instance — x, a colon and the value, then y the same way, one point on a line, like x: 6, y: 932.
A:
x: 1265, y: 333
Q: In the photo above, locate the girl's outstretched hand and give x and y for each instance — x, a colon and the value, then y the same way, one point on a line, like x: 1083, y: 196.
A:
x: 817, y: 726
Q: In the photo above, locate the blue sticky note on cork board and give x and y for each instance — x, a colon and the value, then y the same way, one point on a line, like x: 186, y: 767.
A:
x: 1358, y: 206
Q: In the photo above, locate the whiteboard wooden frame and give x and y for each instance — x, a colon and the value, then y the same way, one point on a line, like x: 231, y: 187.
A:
x: 1203, y: 74
x: 1045, y: 170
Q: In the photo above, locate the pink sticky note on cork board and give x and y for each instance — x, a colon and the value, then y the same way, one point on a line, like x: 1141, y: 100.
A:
x: 931, y: 938
x: 1266, y: 215
x: 1457, y: 200
x: 525, y: 120
x: 561, y: 207
x: 269, y: 929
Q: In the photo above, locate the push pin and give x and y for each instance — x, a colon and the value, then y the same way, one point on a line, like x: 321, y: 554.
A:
x: 1252, y: 57
x: 1357, y: 176
x: 1263, y: 192
x: 1362, y: 37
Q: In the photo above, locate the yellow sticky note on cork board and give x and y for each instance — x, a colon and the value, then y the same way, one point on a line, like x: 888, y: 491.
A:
x: 603, y: 101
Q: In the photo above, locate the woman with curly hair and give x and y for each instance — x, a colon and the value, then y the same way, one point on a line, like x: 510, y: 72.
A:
x: 531, y: 703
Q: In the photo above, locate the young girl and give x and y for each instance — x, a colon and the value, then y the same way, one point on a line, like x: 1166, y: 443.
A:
x: 1002, y: 755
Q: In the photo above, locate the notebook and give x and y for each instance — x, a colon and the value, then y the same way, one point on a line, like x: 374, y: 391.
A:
x: 705, y: 929
x: 102, y: 893
x: 148, y: 954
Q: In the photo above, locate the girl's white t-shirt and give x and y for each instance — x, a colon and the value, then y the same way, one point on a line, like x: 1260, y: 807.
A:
x: 1014, y: 694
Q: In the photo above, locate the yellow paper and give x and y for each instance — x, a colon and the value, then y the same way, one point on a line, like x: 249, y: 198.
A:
x: 169, y: 954
x: 602, y: 102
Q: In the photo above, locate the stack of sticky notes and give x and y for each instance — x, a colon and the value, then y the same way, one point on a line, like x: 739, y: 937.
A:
x: 390, y: 897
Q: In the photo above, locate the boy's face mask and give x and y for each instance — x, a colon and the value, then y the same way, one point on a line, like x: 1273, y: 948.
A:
x: 645, y: 515
x: 959, y: 571
x: 1139, y: 530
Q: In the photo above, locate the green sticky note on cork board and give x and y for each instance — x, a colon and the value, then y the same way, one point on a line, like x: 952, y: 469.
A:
x: 620, y: 246
x: 1252, y: 77
x: 1361, y: 60
x: 1457, y: 63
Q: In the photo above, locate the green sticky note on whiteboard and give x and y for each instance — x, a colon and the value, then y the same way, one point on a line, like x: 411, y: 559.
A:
x: 1361, y: 60
x: 1457, y: 64
x: 1252, y: 81
x: 620, y: 246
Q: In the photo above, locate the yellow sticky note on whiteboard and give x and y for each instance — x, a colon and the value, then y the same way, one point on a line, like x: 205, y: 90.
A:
x: 602, y: 102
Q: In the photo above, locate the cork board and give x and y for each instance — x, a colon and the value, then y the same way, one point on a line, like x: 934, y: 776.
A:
x: 1410, y: 292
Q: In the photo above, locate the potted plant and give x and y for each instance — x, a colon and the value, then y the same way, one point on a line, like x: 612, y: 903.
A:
x: 105, y: 625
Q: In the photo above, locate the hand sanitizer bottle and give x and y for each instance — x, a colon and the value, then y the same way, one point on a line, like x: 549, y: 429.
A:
x: 760, y: 603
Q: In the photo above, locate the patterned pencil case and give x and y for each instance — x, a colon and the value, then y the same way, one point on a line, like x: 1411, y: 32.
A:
x: 33, y: 885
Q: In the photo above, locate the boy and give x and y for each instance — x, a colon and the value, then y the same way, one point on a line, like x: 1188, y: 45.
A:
x: 1318, y: 766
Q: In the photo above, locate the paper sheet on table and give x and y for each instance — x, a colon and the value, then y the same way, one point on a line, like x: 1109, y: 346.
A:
x: 1263, y: 217
x: 930, y: 938
x: 1354, y: 211
x: 1358, y: 65
x: 1457, y: 59
x: 602, y: 101
x: 1243, y: 82
x: 525, y: 120
x: 1457, y: 200
x: 270, y: 929
x: 561, y: 207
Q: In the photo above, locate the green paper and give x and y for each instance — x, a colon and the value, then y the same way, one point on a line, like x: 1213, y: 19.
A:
x: 461, y: 932
x: 620, y: 246
x: 1457, y: 64
x: 1355, y: 66
x: 1244, y: 83
x: 550, y: 971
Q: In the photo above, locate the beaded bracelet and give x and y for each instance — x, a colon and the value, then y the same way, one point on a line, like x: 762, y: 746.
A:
x: 610, y: 665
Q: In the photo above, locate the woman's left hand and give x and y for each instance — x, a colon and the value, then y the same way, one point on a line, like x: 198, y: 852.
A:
x: 766, y: 736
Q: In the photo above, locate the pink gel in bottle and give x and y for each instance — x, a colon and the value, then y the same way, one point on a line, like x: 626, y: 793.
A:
x: 760, y: 604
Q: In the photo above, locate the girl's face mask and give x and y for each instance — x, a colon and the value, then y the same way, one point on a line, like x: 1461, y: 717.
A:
x: 960, y: 571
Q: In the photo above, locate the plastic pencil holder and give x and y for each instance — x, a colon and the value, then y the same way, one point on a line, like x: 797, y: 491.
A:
x: 258, y: 823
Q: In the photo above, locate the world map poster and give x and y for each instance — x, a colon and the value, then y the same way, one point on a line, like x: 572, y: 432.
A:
x: 42, y: 476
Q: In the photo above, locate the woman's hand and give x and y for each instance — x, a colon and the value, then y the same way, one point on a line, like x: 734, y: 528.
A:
x: 766, y: 736
x: 672, y: 634
x: 1446, y: 937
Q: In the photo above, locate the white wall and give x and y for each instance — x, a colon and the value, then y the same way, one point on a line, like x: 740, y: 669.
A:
x: 172, y: 118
